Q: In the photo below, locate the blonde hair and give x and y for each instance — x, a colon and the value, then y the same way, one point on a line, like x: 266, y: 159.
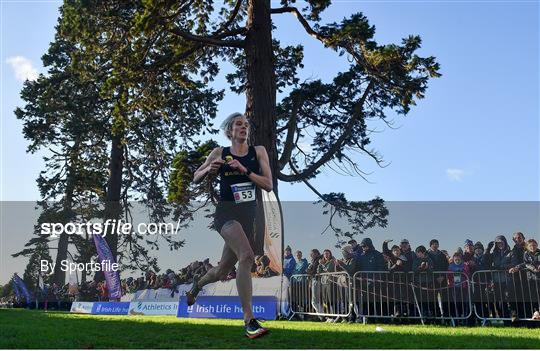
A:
x: 227, y: 124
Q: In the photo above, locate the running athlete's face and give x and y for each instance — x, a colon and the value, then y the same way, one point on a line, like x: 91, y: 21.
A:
x: 240, y: 128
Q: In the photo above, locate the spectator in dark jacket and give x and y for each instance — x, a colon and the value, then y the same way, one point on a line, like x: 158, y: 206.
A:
x: 356, y: 249
x: 394, y: 259
x: 289, y: 264
x: 408, y: 253
x: 371, y: 259
x: 500, y: 258
x: 313, y: 266
x: 422, y: 266
x: 349, y: 263
x: 422, y: 263
x: 440, y: 262
x: 519, y: 249
x: 468, y: 251
x: 480, y: 263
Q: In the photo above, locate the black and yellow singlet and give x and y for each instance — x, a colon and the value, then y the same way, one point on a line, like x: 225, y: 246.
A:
x: 237, y: 197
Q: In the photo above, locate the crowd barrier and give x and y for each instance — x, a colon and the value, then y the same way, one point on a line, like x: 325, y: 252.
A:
x: 499, y: 295
x: 325, y: 294
x: 440, y: 295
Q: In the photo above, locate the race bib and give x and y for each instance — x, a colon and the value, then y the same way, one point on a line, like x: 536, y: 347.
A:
x: 243, y: 192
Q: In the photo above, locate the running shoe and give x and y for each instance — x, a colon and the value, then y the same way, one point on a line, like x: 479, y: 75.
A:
x: 254, y: 329
x: 191, y: 295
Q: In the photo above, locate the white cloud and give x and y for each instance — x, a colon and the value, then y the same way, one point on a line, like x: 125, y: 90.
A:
x: 23, y: 68
x: 455, y: 174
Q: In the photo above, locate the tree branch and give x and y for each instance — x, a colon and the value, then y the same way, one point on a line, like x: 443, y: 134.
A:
x: 214, y: 41
x: 321, y: 196
x: 301, y: 19
x: 232, y: 16
x: 347, y: 130
x: 289, y: 140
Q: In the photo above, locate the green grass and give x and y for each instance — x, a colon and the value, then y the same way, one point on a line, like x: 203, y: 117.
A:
x: 36, y: 329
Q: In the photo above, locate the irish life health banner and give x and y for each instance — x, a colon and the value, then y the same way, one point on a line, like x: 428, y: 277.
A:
x: 111, y: 277
x: 227, y: 307
x: 273, y: 233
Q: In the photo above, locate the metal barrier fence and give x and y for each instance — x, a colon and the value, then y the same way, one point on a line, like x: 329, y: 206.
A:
x: 499, y: 295
x: 492, y: 295
x: 436, y: 295
x: 324, y: 294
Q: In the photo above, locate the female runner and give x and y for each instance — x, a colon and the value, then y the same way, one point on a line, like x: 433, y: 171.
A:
x: 241, y: 169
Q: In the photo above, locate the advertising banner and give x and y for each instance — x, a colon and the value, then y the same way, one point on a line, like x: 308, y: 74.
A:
x: 81, y: 307
x: 273, y: 234
x: 110, y: 308
x: 22, y: 288
x: 228, y: 307
x: 146, y: 308
x: 112, y: 277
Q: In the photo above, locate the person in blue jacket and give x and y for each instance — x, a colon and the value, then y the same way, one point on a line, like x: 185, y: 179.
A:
x: 301, y: 264
x: 289, y: 264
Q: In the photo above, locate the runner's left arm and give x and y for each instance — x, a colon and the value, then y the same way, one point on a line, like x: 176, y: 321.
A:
x: 263, y: 180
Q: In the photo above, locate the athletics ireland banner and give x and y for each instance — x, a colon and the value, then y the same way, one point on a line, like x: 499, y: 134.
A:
x: 111, y: 276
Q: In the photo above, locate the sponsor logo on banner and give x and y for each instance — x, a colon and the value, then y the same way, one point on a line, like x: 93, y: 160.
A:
x: 110, y: 308
x: 227, y: 307
x: 144, y: 308
x: 82, y: 307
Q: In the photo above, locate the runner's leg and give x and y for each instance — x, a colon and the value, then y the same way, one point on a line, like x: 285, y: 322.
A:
x: 234, y: 236
x: 227, y: 262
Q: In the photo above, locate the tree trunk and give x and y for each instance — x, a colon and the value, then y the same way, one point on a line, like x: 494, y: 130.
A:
x: 59, y: 276
x: 261, y: 81
x: 261, y: 96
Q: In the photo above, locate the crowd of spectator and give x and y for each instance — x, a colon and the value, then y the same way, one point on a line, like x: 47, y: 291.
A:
x: 431, y: 267
x: 363, y: 256
x: 522, y: 257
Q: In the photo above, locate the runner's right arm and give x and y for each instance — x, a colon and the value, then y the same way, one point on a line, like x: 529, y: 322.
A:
x: 211, y: 165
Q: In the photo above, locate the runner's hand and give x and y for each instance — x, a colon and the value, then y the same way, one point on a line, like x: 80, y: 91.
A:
x: 235, y: 164
x: 215, y: 166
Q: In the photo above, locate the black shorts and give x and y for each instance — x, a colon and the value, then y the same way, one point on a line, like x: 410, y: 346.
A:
x: 242, y: 213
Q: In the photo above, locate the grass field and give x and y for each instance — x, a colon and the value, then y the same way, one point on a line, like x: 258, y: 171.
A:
x: 31, y: 329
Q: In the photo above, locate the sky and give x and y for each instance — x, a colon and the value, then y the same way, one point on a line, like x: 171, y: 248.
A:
x: 475, y: 137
